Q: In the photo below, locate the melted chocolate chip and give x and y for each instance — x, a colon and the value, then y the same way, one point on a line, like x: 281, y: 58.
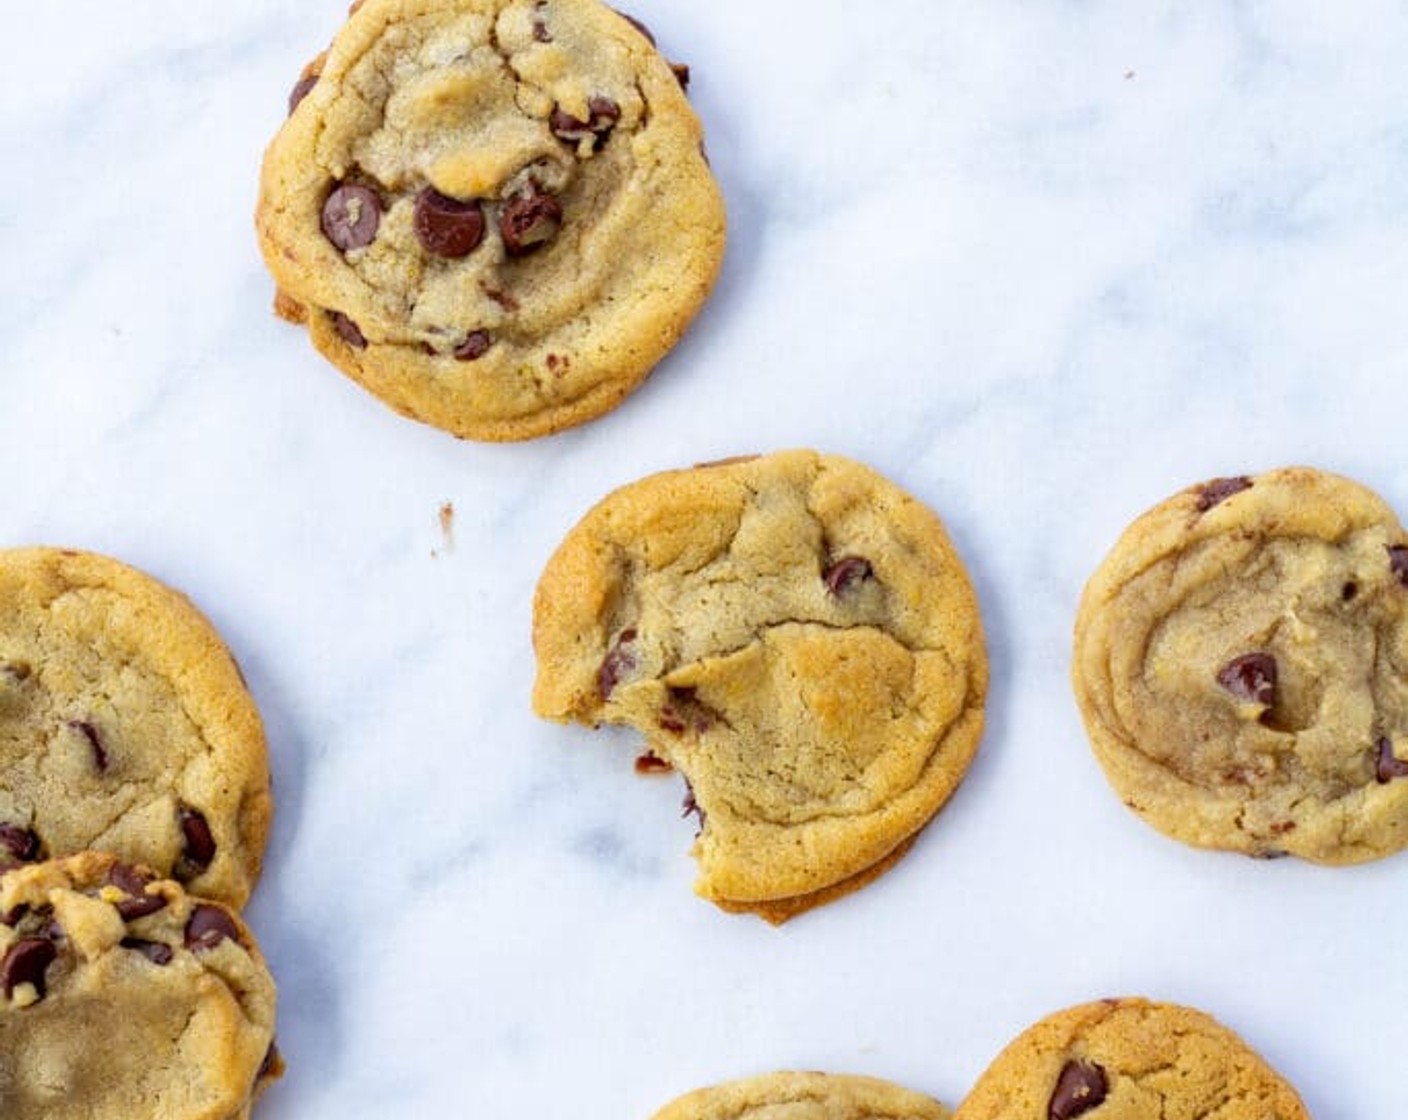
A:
x: 348, y: 331
x: 446, y: 226
x: 1250, y: 677
x: 199, y: 844
x: 618, y: 662
x: 25, y: 963
x: 21, y: 843
x: 1081, y: 1086
x: 840, y: 574
x: 684, y: 710
x: 603, y: 113
x: 208, y: 926
x: 528, y: 221
x: 134, y: 883
x: 475, y: 345
x: 351, y: 216
x: 301, y: 89
x: 1387, y: 766
x: 1220, y: 489
x: 95, y: 742
x: 1398, y: 562
x: 158, y: 952
x: 649, y: 763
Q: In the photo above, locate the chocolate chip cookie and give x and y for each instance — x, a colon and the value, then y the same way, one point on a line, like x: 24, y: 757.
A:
x: 1241, y: 661
x: 124, y: 998
x: 125, y: 726
x: 797, y: 637
x: 496, y: 215
x: 804, y: 1096
x: 1130, y: 1059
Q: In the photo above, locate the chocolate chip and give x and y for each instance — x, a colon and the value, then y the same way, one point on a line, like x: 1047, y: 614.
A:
x: 684, y: 710
x: 158, y: 952
x: 21, y: 843
x: 649, y: 763
x: 1398, y: 562
x: 273, y: 1061
x: 1388, y: 766
x: 540, y: 32
x: 840, y: 574
x: 25, y: 962
x: 15, y: 671
x: 1349, y: 590
x: 690, y: 805
x: 199, y: 847
x: 503, y: 299
x: 1220, y: 489
x: 12, y: 917
x: 446, y: 226
x: 475, y: 345
x: 349, y: 332
x: 603, y: 113
x: 351, y: 216
x: 637, y: 25
x: 301, y: 89
x: 134, y: 883
x: 681, y: 73
x: 89, y: 732
x: 617, y: 662
x: 1250, y: 677
x: 529, y: 221
x: 208, y: 926
x: 1081, y: 1086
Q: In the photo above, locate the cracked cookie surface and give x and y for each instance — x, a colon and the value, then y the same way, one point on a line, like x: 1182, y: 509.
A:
x: 804, y: 1096
x: 125, y: 726
x: 797, y: 636
x: 124, y: 998
x: 1241, y: 662
x: 496, y: 215
x: 1130, y: 1059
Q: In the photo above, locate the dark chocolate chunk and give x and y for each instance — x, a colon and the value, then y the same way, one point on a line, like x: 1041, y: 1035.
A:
x: 529, y: 221
x: 134, y: 883
x: 25, y: 962
x: 348, y: 331
x: 1081, y: 1086
x: 1398, y: 562
x: 1388, y: 766
x: 1250, y: 677
x: 1349, y: 590
x: 21, y: 843
x: 273, y: 1060
x: 158, y: 952
x: 840, y: 574
x: 300, y: 90
x: 1220, y: 489
x: 681, y: 73
x: 475, y: 345
x: 95, y: 741
x: 351, y: 216
x: 208, y: 926
x: 446, y: 226
x: 603, y: 113
x: 617, y: 662
x: 199, y: 846
x: 649, y: 763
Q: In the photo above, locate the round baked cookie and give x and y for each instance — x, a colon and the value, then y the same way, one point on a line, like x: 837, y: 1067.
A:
x: 796, y: 636
x: 125, y: 726
x: 1130, y: 1059
x: 496, y: 215
x: 124, y: 998
x: 1241, y: 662
x: 804, y: 1096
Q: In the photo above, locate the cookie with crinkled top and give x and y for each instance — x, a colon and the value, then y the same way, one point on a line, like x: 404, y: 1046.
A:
x: 496, y: 215
x: 125, y: 726
x: 1130, y: 1059
x: 1241, y: 662
x: 793, y: 633
x: 804, y: 1096
x: 124, y: 998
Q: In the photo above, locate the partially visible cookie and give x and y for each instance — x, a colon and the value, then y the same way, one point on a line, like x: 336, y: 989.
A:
x: 125, y: 726
x: 496, y: 215
x: 1241, y: 662
x: 795, y: 635
x: 1130, y: 1059
x: 804, y: 1096
x: 124, y: 998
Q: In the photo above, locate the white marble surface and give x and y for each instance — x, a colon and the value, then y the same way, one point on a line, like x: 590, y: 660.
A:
x: 1042, y: 262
